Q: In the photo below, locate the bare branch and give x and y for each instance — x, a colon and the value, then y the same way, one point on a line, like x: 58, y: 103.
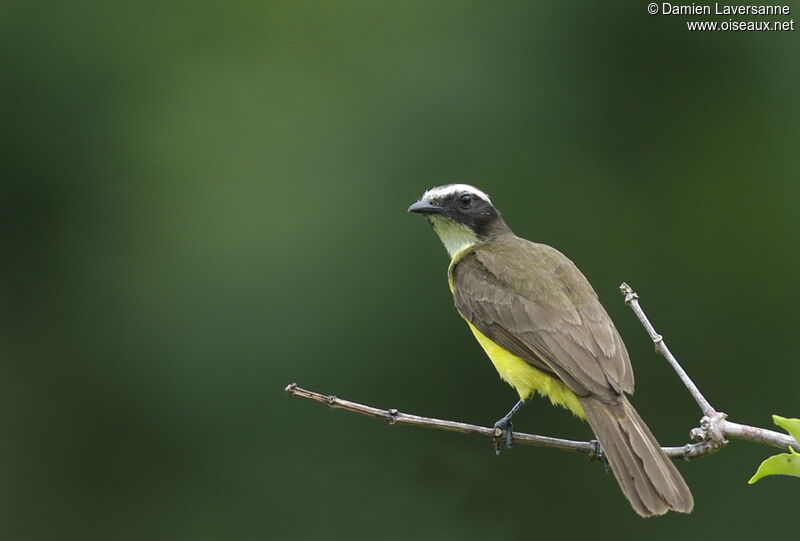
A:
x: 759, y: 435
x: 393, y: 416
x: 714, y: 426
x: 632, y: 300
x: 709, y: 437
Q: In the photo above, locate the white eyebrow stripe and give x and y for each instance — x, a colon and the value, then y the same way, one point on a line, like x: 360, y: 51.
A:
x: 450, y: 189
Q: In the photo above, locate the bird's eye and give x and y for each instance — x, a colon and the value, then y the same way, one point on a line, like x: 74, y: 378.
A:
x: 465, y: 200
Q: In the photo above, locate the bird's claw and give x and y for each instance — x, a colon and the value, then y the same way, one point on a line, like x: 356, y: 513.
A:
x: 503, y: 435
x: 600, y: 455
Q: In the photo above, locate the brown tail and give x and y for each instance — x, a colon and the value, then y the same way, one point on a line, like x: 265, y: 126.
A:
x: 648, y: 478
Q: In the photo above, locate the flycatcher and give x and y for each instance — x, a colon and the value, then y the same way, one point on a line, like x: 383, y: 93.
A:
x: 540, y: 322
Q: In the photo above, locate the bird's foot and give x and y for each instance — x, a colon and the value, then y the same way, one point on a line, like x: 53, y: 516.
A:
x: 600, y: 455
x: 503, y: 434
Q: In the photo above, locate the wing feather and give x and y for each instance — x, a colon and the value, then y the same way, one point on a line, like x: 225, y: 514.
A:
x: 547, y: 314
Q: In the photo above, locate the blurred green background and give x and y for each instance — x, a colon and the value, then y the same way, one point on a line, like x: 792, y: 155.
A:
x: 203, y: 202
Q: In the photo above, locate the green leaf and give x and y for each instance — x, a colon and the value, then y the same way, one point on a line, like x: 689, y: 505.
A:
x: 782, y: 464
x: 792, y: 426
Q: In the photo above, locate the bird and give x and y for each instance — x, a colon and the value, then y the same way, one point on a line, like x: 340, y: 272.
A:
x: 541, y: 324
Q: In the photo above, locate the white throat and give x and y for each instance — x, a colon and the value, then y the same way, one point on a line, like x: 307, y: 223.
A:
x: 454, y: 236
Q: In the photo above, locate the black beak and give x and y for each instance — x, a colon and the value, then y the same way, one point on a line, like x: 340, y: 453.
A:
x: 423, y: 206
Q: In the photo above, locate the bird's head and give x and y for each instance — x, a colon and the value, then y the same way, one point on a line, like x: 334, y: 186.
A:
x: 462, y: 215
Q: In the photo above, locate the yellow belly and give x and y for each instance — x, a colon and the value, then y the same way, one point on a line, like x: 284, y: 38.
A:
x: 526, y: 379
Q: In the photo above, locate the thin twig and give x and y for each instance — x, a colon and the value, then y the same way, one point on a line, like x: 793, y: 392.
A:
x: 632, y: 300
x: 759, y: 435
x: 714, y: 426
x: 395, y: 417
